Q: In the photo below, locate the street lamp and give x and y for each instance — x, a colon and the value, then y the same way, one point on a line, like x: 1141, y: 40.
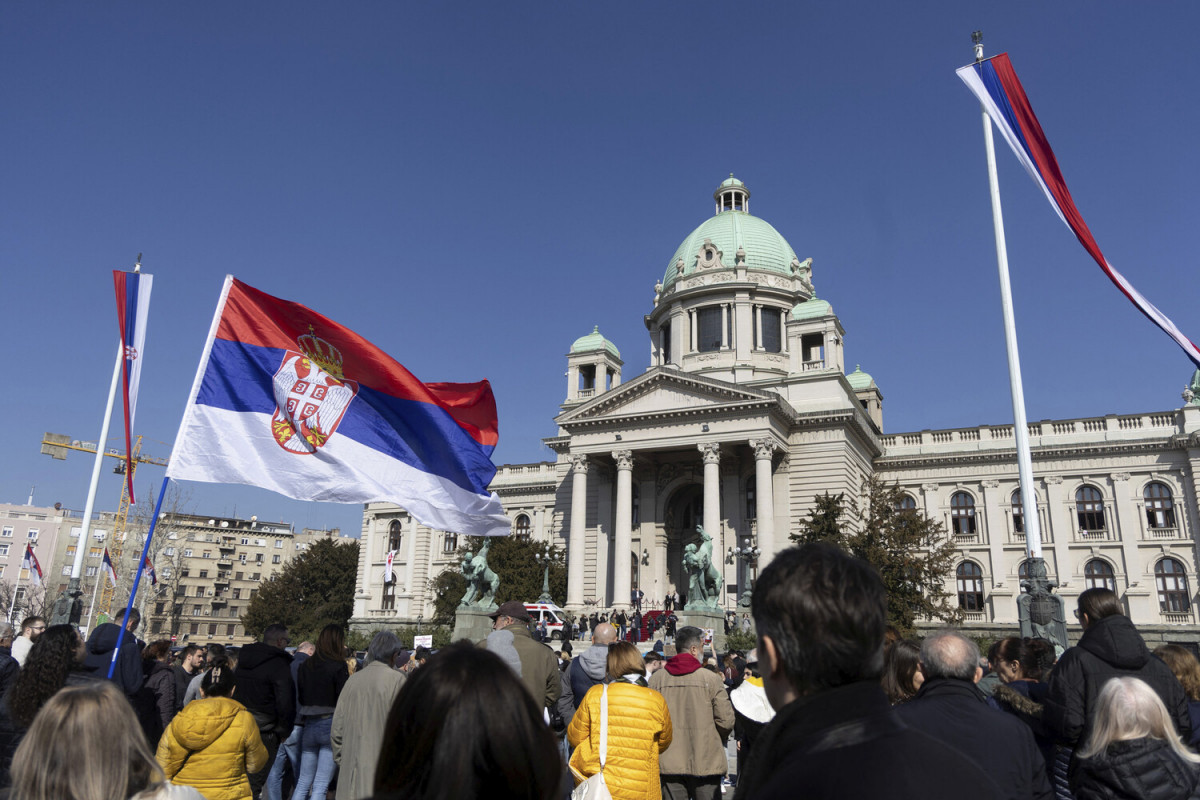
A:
x: 748, y: 554
x: 546, y: 557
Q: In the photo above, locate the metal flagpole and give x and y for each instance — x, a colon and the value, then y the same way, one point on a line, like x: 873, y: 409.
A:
x: 13, y: 604
x: 87, y: 626
x: 1038, y: 586
x: 112, y: 665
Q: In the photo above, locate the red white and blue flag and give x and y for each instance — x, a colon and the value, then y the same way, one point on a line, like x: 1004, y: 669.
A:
x: 289, y: 400
x: 30, y: 562
x: 107, y: 566
x: 996, y: 85
x: 133, y: 309
x: 149, y: 568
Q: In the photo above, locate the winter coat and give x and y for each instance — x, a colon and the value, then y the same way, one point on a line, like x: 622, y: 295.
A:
x: 701, y: 717
x: 1109, y: 648
x: 264, y: 686
x: 212, y: 745
x: 639, y: 728
x: 1023, y: 699
x: 163, y: 684
x: 358, y: 723
x: 100, y: 645
x: 582, y: 674
x: 183, y: 679
x: 1140, y: 769
x: 539, y: 665
x: 957, y: 713
x: 9, y: 669
x: 848, y: 743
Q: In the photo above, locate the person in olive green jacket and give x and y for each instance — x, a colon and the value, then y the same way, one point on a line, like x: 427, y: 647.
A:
x: 701, y: 717
x: 533, y: 661
x: 361, y: 716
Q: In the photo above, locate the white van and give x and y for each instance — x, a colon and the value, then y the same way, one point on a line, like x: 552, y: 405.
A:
x: 549, y: 613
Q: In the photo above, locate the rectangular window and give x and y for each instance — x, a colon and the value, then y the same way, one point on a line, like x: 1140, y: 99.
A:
x: 245, y: 540
x: 238, y: 575
x: 99, y: 536
x: 771, y: 339
x: 3, y: 549
x: 233, y: 611
x: 160, y: 608
x: 279, y: 544
x: 708, y: 329
x: 203, y: 573
x: 33, y: 534
x: 252, y: 593
x: 207, y: 554
x: 276, y: 559
x: 450, y: 543
x: 258, y: 558
x: 91, y: 572
x: 242, y: 558
x: 95, y: 552
x: 187, y: 553
x: 260, y: 542
x: 253, y: 577
x: 71, y: 550
x: 212, y: 629
x: 199, y: 591
x: 194, y: 627
x: 66, y: 570
x: 76, y: 532
x: 6, y: 531
x: 237, y: 594
x: 168, y: 551
x: 156, y: 626
x: 229, y: 629
x: 195, y: 611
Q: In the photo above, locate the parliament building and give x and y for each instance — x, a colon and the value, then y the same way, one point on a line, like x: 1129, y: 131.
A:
x: 748, y: 411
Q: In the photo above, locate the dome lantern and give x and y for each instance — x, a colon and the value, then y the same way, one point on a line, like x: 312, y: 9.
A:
x: 732, y: 195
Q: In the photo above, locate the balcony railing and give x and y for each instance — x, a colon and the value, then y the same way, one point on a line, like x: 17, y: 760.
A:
x: 974, y: 616
x: 1163, y: 533
x: 1177, y: 617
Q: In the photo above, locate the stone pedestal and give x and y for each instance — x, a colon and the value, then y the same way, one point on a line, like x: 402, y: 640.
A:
x: 472, y: 624
x: 706, y: 619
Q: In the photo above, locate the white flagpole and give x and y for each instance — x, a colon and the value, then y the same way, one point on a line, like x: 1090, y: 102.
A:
x: 1033, y: 535
x: 91, y: 609
x: 13, y: 604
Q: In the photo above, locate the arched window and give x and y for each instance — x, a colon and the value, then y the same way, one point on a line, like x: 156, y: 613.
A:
x: 1023, y: 571
x: 1089, y: 508
x: 1173, y: 594
x: 395, y: 534
x: 1160, y: 510
x: 751, y: 505
x: 969, y: 576
x: 962, y: 514
x: 521, y: 526
x: 906, y: 503
x: 1018, y: 513
x: 1098, y: 574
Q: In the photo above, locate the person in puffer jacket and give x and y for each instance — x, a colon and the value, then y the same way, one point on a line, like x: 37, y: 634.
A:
x: 639, y: 728
x: 1134, y: 752
x: 213, y: 743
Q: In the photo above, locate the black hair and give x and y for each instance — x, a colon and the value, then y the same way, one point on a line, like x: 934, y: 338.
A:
x: 464, y: 728
x: 825, y: 612
x: 218, y: 680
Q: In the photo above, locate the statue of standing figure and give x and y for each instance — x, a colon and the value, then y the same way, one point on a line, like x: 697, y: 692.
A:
x: 482, y: 582
x: 704, y: 578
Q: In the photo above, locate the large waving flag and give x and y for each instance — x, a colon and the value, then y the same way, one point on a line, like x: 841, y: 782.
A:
x: 133, y: 309
x: 30, y: 563
x: 995, y: 83
x: 288, y: 400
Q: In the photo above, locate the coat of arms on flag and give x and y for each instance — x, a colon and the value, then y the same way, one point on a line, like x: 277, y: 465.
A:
x: 311, y: 395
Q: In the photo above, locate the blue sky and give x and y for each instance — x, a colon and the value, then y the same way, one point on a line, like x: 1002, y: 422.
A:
x: 472, y: 186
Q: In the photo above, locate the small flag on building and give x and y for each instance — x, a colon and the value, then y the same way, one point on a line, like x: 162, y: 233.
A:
x: 133, y: 309
x: 107, y: 566
x: 150, y: 571
x: 30, y: 563
x: 995, y: 83
x: 289, y: 400
x: 387, y: 571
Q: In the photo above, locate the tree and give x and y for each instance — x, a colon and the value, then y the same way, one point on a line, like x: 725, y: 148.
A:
x: 165, y: 553
x: 314, y: 589
x: 911, y: 552
x: 514, y: 560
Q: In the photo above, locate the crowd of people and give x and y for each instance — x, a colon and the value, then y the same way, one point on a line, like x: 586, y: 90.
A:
x: 830, y: 703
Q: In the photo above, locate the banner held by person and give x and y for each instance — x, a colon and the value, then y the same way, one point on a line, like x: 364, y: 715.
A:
x: 133, y: 310
x: 289, y: 400
x: 995, y: 83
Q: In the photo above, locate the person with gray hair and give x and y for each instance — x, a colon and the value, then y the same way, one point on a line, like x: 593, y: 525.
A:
x: 9, y: 668
x: 950, y: 708
x: 361, y: 716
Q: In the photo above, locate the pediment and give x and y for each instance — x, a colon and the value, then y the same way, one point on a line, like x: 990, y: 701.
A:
x: 664, y: 390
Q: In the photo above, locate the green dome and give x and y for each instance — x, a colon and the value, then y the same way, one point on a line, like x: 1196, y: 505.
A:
x: 765, y: 248
x: 859, y: 380
x: 731, y: 181
x: 594, y: 341
x: 811, y: 309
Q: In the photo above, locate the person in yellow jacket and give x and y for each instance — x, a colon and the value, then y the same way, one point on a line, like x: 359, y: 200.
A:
x: 213, y: 743
x: 639, y: 728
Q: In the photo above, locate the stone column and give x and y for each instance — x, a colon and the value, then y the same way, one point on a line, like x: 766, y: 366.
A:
x: 764, y: 497
x: 622, y: 529
x: 576, y: 555
x: 712, y: 488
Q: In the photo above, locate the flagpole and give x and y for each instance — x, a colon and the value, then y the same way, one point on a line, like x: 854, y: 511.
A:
x: 13, y: 604
x: 1038, y: 586
x: 92, y: 609
x: 112, y: 665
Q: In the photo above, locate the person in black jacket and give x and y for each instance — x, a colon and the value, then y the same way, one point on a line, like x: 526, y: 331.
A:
x: 950, y: 708
x: 820, y: 616
x: 319, y: 683
x: 1109, y: 648
x: 159, y: 691
x: 264, y: 686
x: 8, y: 665
x: 1133, y: 752
x: 100, y: 646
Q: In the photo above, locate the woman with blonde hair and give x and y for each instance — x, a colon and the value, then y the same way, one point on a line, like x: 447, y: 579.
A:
x: 1187, y: 669
x: 1134, y: 751
x: 86, y: 744
x: 638, y: 729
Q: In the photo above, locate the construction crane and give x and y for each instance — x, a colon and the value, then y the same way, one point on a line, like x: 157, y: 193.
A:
x: 56, y: 446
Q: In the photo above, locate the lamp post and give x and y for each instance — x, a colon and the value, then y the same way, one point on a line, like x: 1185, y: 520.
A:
x: 546, y: 557
x: 748, y: 555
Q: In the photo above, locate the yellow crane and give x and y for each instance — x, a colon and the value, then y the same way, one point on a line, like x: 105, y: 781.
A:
x: 56, y: 446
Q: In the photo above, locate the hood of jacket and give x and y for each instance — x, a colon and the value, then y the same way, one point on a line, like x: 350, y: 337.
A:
x: 203, y: 721
x: 1115, y: 641
x: 594, y: 661
x: 104, y: 638
x: 682, y: 664
x: 256, y: 654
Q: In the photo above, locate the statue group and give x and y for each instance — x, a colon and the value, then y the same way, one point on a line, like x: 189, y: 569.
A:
x: 704, y: 577
x: 482, y: 582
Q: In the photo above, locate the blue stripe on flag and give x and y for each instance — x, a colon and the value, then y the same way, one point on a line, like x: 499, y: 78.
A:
x: 987, y: 74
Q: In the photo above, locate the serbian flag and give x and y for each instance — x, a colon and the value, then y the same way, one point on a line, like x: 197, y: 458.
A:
x: 133, y: 309
x: 995, y: 84
x: 291, y: 401
x: 149, y: 570
x: 107, y: 566
x: 30, y: 563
